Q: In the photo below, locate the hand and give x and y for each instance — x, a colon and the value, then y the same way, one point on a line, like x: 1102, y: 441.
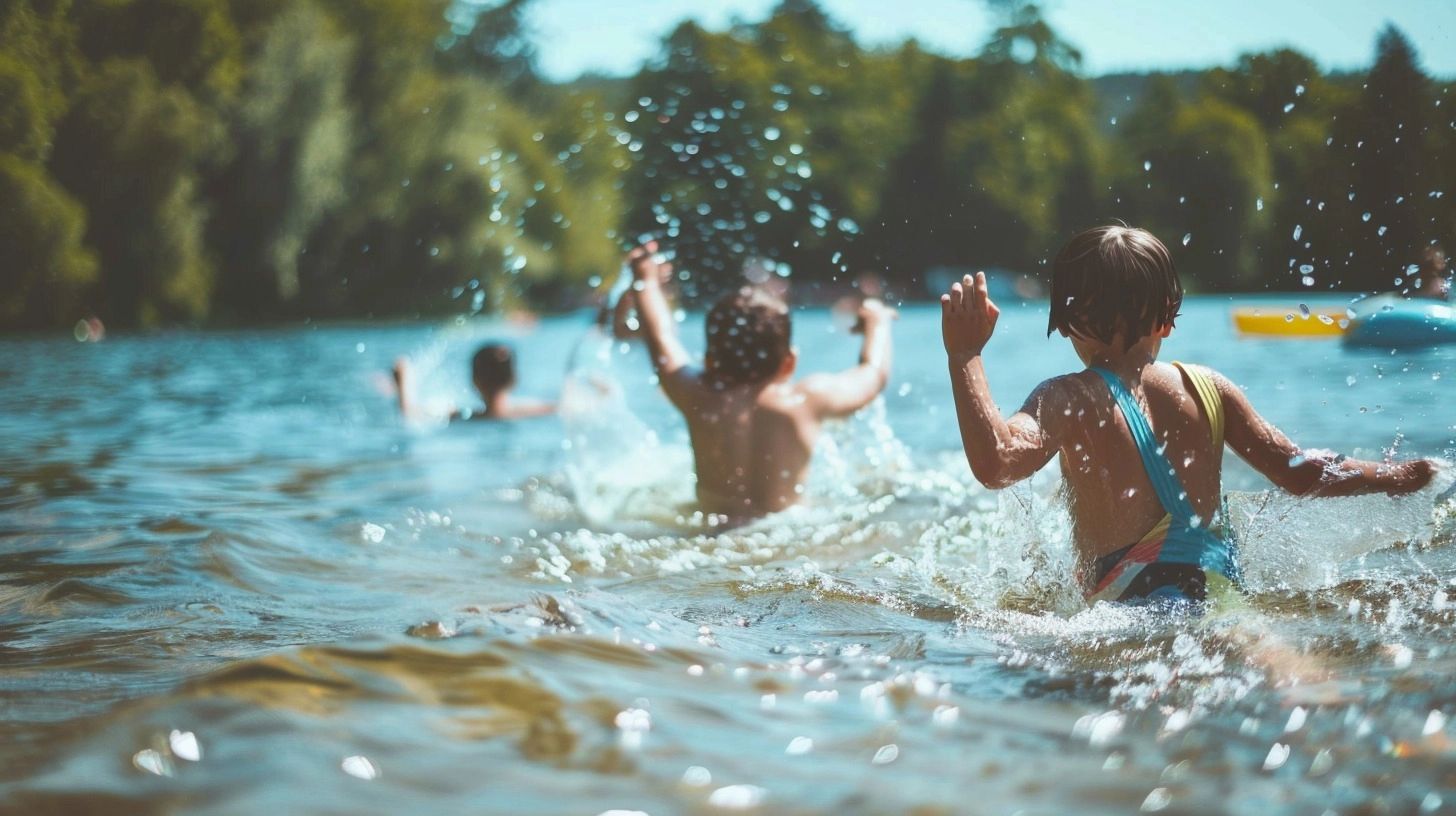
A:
x: 1415, y: 474
x: 967, y: 317
x: 645, y: 267
x: 872, y: 312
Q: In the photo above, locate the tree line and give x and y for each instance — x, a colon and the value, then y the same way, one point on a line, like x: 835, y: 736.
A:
x: 187, y: 161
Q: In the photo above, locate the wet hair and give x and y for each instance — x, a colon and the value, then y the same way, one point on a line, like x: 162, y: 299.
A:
x: 494, y: 367
x: 748, y: 337
x: 1113, y: 279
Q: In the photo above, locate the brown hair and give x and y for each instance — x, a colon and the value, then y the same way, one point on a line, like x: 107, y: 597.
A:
x: 494, y: 367
x: 1113, y: 279
x: 749, y: 337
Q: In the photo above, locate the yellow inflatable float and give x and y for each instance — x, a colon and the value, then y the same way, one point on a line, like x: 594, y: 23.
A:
x: 1277, y: 322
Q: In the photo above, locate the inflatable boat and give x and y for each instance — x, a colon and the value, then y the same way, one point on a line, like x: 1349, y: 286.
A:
x: 1391, y: 321
x: 1275, y: 322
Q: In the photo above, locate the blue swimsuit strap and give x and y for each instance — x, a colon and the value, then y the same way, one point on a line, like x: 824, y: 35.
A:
x: 1160, y: 471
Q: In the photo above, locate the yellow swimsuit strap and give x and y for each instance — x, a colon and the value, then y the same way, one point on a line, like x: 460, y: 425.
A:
x: 1207, y: 395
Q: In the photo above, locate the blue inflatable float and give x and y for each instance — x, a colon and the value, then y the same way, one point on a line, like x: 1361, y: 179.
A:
x: 1391, y: 321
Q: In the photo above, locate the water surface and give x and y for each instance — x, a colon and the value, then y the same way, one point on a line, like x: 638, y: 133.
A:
x: 233, y: 581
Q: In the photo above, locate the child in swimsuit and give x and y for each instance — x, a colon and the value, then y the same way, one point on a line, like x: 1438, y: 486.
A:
x: 1140, y: 442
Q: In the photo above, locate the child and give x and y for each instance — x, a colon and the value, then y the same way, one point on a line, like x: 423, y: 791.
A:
x: 752, y: 427
x: 1140, y: 442
x: 1431, y: 280
x: 493, y: 370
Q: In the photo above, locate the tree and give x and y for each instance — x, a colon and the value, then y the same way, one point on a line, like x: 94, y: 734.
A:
x: 1388, y: 144
x: 48, y: 270
x: 130, y: 150
x: 293, y: 141
x: 493, y: 43
x: 1199, y: 172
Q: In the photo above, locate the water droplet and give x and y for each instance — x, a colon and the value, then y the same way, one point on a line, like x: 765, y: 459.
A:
x: 152, y: 761
x: 886, y: 754
x: 799, y: 745
x: 1278, y: 755
x: 1288, y: 106
x: 1259, y: 204
x: 1147, y: 165
x: 1157, y: 799
x: 1298, y: 231
x: 737, y: 797
x: 697, y: 776
x: 1435, y: 721
x: 359, y: 767
x: 1187, y: 237
x: 1296, y: 719
x: 184, y: 745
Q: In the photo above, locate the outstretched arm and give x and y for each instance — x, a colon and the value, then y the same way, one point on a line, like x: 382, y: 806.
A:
x: 841, y: 394
x: 1001, y: 452
x: 1308, y: 472
x: 669, y: 359
x: 403, y: 385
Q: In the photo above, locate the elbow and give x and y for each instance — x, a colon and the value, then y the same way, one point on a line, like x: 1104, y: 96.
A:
x: 992, y: 474
x: 1301, y: 481
x: 881, y: 374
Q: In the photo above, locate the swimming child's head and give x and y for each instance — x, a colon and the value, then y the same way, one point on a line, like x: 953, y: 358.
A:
x: 749, y: 338
x: 1433, y: 260
x: 493, y: 369
x: 1114, y: 285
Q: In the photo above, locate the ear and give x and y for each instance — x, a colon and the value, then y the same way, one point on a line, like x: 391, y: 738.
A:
x: 1164, y: 330
x: 786, y: 368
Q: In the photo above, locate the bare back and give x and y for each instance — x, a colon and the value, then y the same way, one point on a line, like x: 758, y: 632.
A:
x: 752, y: 445
x: 1112, y: 501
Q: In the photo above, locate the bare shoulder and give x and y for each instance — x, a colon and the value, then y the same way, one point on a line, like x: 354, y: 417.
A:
x: 686, y: 387
x: 1067, y: 389
x: 1225, y: 386
x: 1060, y: 397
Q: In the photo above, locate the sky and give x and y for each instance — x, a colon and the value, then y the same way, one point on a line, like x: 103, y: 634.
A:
x: 615, y: 37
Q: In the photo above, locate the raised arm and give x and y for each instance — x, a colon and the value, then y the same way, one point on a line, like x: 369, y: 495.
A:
x: 1001, y: 452
x: 669, y: 359
x: 1310, y: 472
x: 843, y: 393
x: 403, y: 385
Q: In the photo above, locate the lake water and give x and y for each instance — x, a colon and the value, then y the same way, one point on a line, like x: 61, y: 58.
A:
x: 233, y: 581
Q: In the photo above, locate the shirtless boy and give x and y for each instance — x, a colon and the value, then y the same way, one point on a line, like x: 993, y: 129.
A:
x: 1140, y: 442
x: 752, y: 426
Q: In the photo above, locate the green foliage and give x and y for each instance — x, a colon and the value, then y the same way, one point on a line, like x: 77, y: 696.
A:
x: 192, y: 43
x: 292, y: 144
x: 1390, y: 148
x: 48, y: 268
x: 25, y: 129
x: 167, y: 161
x: 130, y: 150
x: 1206, y: 174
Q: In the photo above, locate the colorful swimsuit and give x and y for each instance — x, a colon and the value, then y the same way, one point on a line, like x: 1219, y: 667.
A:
x: 1183, y: 558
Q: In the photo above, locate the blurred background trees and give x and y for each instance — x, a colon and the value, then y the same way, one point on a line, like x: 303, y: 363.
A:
x: 182, y: 161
